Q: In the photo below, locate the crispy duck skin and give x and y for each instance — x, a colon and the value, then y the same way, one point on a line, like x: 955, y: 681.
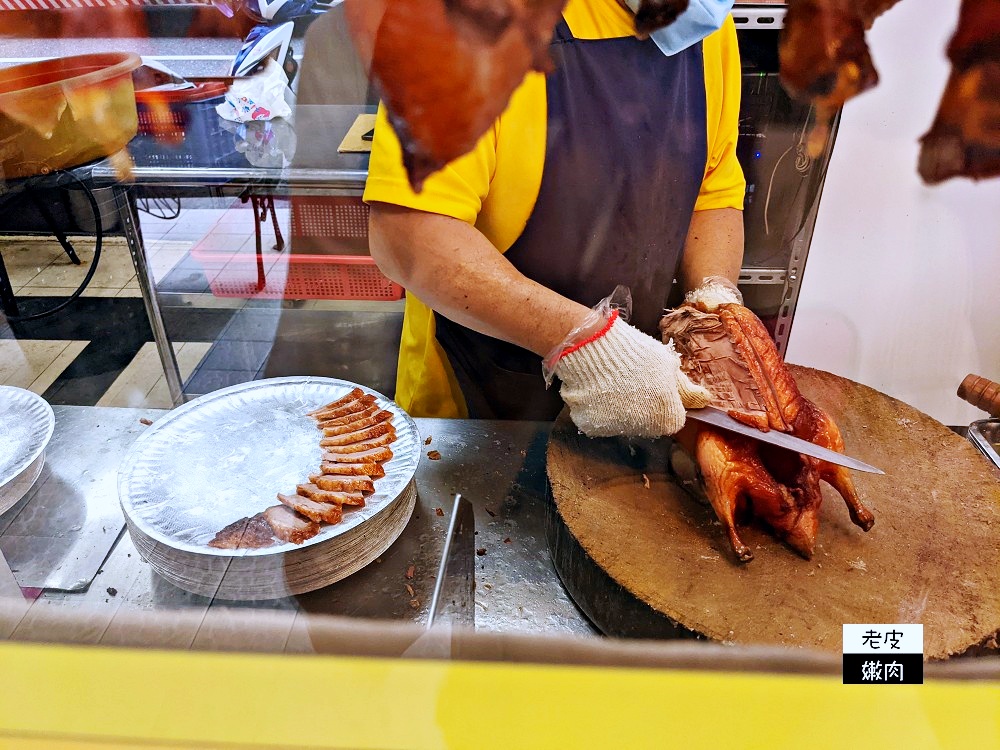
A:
x: 343, y: 484
x: 342, y: 411
x: 373, y: 470
x: 366, y: 445
x: 376, y: 455
x: 348, y: 419
x: 314, y: 511
x: 354, y: 395
x: 330, y: 496
x: 964, y: 140
x: 289, y: 526
x: 246, y: 533
x: 447, y: 68
x: 364, y: 433
x: 384, y: 416
x: 731, y: 353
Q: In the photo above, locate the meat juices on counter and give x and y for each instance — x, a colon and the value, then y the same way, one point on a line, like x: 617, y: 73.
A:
x: 731, y: 353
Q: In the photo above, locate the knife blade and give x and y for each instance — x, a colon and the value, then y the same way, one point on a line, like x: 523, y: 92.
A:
x: 718, y: 418
x: 454, y: 589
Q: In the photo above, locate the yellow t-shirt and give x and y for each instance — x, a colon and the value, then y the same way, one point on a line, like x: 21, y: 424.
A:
x: 494, y: 187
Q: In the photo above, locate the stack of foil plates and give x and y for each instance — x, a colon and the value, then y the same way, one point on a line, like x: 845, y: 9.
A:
x: 224, y: 457
x: 26, y: 425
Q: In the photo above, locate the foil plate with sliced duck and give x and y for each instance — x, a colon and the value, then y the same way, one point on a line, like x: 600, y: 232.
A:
x: 271, y: 487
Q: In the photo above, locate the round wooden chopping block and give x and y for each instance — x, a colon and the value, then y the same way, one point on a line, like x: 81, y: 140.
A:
x: 653, y: 561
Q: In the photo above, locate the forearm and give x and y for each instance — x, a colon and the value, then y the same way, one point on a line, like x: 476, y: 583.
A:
x: 714, y: 247
x: 455, y: 270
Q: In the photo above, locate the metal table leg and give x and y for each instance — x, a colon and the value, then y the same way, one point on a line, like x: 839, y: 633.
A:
x: 8, y: 303
x: 130, y: 228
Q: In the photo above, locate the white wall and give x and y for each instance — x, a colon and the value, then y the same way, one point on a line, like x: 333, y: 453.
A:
x: 902, y: 284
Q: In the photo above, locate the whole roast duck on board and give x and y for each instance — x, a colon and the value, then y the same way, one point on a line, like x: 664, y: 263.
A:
x: 729, y: 351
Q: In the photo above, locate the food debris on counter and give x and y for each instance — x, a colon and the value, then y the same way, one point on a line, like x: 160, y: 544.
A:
x: 112, y: 591
x: 428, y: 440
x: 645, y: 481
x: 145, y: 421
x: 481, y: 551
x: 433, y: 455
x: 410, y: 570
x: 507, y: 541
x: 409, y: 590
x: 493, y: 513
x: 439, y: 511
x: 415, y: 603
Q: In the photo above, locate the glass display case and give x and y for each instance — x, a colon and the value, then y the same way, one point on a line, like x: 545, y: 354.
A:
x: 179, y: 318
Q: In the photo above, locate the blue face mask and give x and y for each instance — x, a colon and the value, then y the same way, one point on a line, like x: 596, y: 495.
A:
x: 701, y: 18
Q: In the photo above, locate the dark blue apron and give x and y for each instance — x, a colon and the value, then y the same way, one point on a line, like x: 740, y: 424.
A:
x: 625, y: 156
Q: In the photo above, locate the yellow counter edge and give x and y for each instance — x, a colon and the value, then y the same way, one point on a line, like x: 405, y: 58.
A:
x: 93, y: 697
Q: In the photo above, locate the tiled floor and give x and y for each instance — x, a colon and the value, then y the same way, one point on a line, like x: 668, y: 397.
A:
x: 142, y: 384
x: 35, y: 365
x: 38, y: 267
x: 228, y: 341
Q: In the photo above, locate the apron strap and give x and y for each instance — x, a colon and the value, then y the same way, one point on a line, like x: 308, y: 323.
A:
x: 562, y: 33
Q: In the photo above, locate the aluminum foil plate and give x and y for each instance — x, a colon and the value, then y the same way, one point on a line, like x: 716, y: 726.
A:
x: 26, y: 425
x: 226, y: 455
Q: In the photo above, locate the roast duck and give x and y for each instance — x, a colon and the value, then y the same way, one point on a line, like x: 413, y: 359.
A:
x: 730, y: 352
x: 446, y: 69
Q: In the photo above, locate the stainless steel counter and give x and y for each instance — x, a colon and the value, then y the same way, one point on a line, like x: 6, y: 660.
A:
x: 498, y: 466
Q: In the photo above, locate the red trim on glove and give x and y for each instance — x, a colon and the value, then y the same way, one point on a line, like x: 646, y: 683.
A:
x: 590, y: 339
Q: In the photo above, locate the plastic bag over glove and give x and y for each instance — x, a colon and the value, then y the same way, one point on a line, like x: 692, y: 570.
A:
x: 616, y: 380
x: 714, y: 292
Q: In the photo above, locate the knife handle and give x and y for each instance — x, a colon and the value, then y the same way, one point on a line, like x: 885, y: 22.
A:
x: 982, y: 393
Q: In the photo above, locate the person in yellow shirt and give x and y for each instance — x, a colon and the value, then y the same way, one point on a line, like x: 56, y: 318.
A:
x: 617, y: 168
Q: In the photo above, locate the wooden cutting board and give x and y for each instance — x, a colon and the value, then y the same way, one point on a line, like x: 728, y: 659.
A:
x: 655, y: 562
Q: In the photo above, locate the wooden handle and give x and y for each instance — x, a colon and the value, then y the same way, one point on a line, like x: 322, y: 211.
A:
x: 982, y: 393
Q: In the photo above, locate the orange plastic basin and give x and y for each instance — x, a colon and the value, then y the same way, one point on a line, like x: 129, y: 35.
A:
x: 64, y: 112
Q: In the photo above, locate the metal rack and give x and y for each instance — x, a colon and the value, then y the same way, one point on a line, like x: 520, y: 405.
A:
x: 774, y: 261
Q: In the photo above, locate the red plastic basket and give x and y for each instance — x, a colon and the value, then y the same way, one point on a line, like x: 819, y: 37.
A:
x: 292, y: 276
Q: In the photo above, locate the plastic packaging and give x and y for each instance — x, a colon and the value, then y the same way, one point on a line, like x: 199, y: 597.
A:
x: 263, y: 96
x: 620, y: 299
x: 714, y: 291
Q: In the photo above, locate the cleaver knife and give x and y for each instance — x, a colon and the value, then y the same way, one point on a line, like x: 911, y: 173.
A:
x: 718, y: 418
x: 455, y: 587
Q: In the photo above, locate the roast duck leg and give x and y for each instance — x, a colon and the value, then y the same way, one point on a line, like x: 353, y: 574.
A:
x: 730, y: 352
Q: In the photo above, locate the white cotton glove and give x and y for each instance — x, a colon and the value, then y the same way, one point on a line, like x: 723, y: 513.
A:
x: 714, y: 292
x: 620, y: 381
